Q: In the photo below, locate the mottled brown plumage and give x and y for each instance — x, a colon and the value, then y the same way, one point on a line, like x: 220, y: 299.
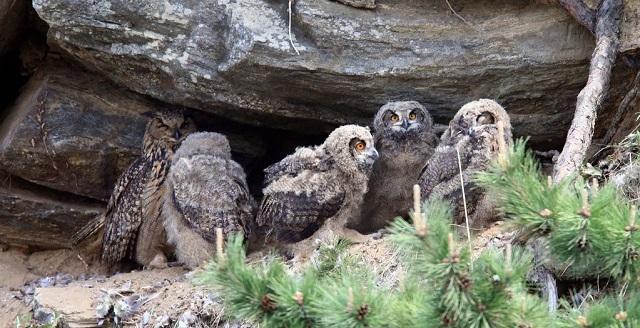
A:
x: 473, y: 131
x: 132, y: 226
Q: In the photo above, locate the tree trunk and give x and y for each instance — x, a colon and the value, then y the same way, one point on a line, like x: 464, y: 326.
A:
x: 581, y: 12
x: 591, y: 97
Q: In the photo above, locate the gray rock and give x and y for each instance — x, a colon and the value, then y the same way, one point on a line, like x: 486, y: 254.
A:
x: 369, y: 4
x: 72, y: 131
x: 34, y: 216
x: 44, y: 316
x: 234, y: 57
x: 630, y: 28
x: 75, y: 131
x: 12, y: 14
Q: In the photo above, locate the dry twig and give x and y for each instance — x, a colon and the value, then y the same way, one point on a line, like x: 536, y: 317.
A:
x: 464, y: 203
x: 290, y: 35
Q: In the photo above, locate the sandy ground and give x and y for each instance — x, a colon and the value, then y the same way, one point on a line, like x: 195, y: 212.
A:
x: 17, y: 268
x: 62, y: 280
x: 160, y: 298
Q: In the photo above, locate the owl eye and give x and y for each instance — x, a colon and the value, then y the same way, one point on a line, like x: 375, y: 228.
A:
x: 360, y: 145
x: 395, y: 118
x: 413, y: 116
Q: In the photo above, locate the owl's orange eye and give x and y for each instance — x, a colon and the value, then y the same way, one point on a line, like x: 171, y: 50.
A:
x: 395, y: 118
x: 360, y: 145
x: 413, y: 116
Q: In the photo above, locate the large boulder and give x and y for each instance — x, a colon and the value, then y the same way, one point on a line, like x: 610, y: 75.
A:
x: 35, y: 216
x: 75, y: 131
x: 72, y: 131
x: 235, y: 58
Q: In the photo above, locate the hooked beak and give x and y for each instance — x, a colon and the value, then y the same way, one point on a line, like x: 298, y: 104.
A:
x: 176, y: 134
x: 372, y: 153
x: 405, y: 124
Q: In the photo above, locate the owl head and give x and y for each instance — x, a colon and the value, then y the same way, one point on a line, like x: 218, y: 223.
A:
x: 401, y: 118
x: 478, y: 120
x: 352, y: 148
x: 204, y: 143
x: 167, y: 129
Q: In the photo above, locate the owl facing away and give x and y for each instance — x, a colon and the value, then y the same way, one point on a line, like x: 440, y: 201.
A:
x: 474, y: 132
x: 132, y: 227
x: 404, y: 137
x: 206, y: 190
x: 318, y: 189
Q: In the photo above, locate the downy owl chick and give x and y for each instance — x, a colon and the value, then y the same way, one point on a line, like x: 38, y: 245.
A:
x: 317, y: 189
x: 206, y: 190
x: 132, y: 225
x: 403, y: 134
x: 474, y: 132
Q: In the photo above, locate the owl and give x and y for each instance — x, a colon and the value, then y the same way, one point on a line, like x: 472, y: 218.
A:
x: 206, y: 190
x: 132, y: 224
x: 318, y: 189
x: 474, y: 134
x: 403, y: 134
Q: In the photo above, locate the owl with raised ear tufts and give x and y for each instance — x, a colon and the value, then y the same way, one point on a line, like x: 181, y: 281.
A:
x: 317, y: 190
x: 206, y: 190
x: 133, y: 229
x: 404, y: 137
x: 479, y: 132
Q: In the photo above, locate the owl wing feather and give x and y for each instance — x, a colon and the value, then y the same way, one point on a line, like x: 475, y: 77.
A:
x: 151, y: 232
x: 123, y: 215
x: 291, y: 212
x: 212, y: 193
x: 303, y: 159
x: 441, y: 166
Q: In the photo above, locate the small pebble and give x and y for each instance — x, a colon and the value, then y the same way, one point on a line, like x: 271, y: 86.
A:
x: 46, y: 282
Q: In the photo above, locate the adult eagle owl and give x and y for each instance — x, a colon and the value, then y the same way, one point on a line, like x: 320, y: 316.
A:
x: 132, y: 224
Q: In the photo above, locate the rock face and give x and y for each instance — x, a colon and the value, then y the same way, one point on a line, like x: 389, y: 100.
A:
x: 234, y: 57
x: 72, y: 131
x: 34, y: 216
x: 235, y: 67
x: 12, y: 13
x: 630, y: 29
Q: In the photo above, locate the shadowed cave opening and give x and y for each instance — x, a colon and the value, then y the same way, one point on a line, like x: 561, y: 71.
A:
x: 256, y: 147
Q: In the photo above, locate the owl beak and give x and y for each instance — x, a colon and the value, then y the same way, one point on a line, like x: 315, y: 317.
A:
x: 177, y: 134
x: 373, y: 155
x: 405, y: 124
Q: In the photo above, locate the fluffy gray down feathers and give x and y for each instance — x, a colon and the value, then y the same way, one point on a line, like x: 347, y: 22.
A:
x: 207, y: 190
x: 315, y: 184
x: 473, y: 131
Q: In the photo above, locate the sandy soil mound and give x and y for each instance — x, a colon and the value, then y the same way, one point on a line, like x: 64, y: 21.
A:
x: 60, y: 286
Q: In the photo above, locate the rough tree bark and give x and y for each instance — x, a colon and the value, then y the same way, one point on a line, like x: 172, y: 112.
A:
x: 580, y: 12
x: 605, y: 25
x: 607, y: 31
